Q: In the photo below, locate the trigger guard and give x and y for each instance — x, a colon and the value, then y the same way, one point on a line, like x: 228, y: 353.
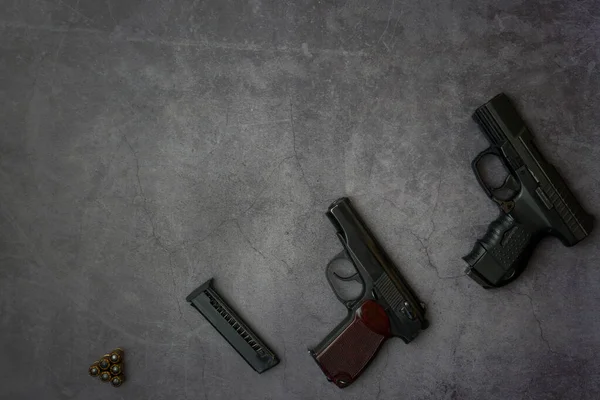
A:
x: 349, y: 303
x: 489, y: 191
x: 475, y: 168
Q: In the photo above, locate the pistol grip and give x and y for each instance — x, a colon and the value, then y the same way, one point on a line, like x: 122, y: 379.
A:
x: 502, y: 254
x: 348, y: 354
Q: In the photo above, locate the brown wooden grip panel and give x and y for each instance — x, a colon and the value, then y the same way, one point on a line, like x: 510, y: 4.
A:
x: 348, y: 354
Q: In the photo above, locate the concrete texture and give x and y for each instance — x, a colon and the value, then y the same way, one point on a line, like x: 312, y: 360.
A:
x: 146, y: 146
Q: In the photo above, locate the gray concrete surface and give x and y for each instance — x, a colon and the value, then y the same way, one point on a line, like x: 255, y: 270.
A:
x: 146, y: 146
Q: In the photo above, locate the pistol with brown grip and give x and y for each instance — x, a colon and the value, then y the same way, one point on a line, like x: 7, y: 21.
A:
x: 383, y: 306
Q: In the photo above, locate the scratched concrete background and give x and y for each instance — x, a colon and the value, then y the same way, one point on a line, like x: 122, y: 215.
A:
x: 146, y: 146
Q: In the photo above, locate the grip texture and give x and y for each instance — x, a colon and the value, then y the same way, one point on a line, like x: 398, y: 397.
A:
x: 502, y: 254
x: 344, y: 359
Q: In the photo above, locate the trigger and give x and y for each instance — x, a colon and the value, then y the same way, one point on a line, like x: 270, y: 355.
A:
x: 511, y: 183
x: 508, y: 188
x: 354, y: 277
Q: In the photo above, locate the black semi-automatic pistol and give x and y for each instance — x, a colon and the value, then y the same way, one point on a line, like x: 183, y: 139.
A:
x: 534, y: 200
